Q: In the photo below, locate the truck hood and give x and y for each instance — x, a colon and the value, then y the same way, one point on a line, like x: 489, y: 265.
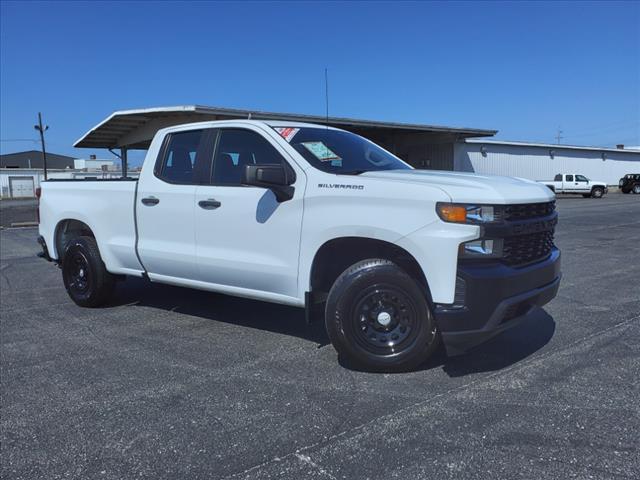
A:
x: 471, y: 187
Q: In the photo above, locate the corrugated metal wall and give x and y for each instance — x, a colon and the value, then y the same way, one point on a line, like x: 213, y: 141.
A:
x: 535, y: 162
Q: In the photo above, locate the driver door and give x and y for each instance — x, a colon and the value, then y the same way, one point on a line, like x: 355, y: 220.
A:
x: 582, y: 183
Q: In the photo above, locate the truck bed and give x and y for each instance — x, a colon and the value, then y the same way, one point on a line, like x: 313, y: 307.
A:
x: 106, y: 206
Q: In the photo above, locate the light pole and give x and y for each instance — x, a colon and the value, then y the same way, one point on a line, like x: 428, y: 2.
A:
x: 42, y: 129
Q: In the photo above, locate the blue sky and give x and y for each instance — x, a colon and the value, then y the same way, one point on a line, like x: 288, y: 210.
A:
x: 522, y: 68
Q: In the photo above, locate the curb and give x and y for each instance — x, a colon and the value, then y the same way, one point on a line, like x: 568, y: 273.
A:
x: 24, y: 224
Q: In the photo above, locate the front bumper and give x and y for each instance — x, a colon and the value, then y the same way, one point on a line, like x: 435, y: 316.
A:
x: 494, y: 298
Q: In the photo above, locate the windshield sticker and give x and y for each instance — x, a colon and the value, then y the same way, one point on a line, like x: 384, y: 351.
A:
x: 287, y: 132
x: 322, y: 152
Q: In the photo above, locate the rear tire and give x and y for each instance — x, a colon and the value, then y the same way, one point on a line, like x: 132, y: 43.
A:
x: 624, y: 190
x: 85, y: 277
x: 597, y: 192
x: 378, y: 318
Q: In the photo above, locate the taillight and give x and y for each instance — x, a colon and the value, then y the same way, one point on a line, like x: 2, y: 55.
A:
x: 38, y: 195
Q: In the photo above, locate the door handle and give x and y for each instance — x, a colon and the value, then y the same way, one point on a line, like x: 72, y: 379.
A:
x: 209, y: 204
x: 150, y: 201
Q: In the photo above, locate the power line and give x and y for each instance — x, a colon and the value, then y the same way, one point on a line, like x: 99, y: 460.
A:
x: 19, y: 140
x: 559, y: 136
x: 607, y: 126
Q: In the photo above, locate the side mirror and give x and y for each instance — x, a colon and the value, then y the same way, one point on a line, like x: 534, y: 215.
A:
x: 275, y: 177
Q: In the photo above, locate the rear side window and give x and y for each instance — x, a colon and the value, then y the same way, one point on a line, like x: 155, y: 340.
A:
x: 182, y: 157
x: 569, y: 178
x: 238, y: 148
x: 558, y: 178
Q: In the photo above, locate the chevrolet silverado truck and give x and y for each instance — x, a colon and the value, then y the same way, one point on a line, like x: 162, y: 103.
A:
x: 395, y: 259
x: 577, y: 184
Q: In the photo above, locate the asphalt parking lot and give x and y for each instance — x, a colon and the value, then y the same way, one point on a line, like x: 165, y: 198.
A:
x: 17, y: 211
x: 172, y: 383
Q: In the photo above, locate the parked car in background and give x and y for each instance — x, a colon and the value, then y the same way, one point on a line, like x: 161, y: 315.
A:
x: 577, y: 184
x: 630, y: 183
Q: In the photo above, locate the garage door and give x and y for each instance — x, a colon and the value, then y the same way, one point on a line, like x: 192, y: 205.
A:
x: 21, y: 187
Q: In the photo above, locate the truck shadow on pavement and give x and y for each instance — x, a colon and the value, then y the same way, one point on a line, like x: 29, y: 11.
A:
x: 502, y: 351
x: 507, y: 348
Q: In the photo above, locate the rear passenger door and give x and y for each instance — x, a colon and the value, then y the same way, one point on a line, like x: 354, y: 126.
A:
x: 246, y: 240
x: 165, y: 207
x: 570, y: 184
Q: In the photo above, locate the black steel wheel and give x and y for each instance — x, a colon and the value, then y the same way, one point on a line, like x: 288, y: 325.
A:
x: 85, y: 277
x: 385, y: 317
x: 378, y: 318
x: 77, y: 270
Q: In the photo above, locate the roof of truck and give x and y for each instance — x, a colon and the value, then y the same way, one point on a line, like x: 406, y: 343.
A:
x: 135, y: 128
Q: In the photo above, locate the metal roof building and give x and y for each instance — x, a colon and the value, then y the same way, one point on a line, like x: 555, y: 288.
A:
x: 33, y: 159
x: 542, y: 161
x: 424, y: 146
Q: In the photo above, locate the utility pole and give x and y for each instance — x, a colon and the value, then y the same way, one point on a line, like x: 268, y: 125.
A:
x: 559, y: 135
x: 42, y: 129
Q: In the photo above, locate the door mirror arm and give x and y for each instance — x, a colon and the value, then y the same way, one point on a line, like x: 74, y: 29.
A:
x: 275, y: 177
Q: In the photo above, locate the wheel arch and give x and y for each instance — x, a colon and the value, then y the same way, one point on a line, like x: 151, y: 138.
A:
x: 336, y: 255
x: 68, y: 229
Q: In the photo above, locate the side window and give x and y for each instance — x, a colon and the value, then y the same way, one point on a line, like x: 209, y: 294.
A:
x: 569, y: 178
x: 558, y: 178
x: 181, y: 156
x: 238, y: 148
x: 581, y: 178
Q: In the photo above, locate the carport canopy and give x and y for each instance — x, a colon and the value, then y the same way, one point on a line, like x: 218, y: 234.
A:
x: 134, y: 129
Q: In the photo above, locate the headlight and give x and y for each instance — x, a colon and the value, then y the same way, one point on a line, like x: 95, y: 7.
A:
x: 482, y: 248
x: 462, y: 213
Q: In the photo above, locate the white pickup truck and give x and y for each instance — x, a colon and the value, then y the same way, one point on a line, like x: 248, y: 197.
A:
x: 320, y: 218
x: 577, y: 184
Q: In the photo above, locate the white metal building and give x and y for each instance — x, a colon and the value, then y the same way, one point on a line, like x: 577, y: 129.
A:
x: 540, y: 161
x: 94, y: 164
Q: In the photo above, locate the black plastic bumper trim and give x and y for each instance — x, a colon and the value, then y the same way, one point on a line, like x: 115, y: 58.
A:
x: 459, y: 342
x: 496, y: 298
x: 45, y: 251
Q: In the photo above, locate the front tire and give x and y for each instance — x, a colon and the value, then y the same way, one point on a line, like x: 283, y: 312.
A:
x: 636, y: 189
x: 597, y: 192
x: 378, y: 318
x: 85, y: 277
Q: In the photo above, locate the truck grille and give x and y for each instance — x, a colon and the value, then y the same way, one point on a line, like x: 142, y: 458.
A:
x: 524, y: 249
x: 528, y: 210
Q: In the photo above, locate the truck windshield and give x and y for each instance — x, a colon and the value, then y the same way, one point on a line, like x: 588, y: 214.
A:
x: 337, y: 151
